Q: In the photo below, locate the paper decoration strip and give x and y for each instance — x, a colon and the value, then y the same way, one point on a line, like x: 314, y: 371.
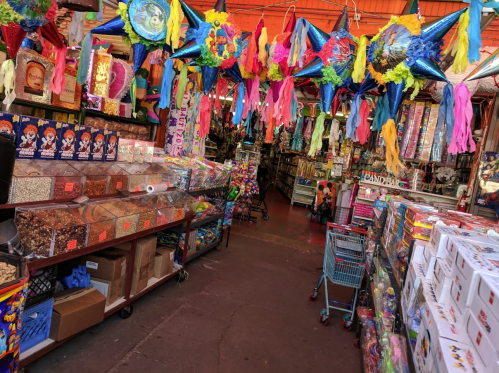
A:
x: 414, y: 128
x: 176, y: 127
x: 430, y: 132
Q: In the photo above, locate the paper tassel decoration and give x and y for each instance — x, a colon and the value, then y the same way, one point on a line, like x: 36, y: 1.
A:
x: 166, y: 84
x: 213, y: 40
x: 236, y: 119
x: 463, y: 114
x: 278, y: 67
x: 316, y: 143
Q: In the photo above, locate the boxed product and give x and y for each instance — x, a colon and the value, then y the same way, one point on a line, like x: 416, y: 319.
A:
x: 139, y: 151
x: 416, y: 273
x: 455, y: 357
x: 466, y: 274
x: 423, y: 356
x: 98, y: 144
x: 83, y: 143
x: 49, y: 131
x: 488, y: 290
x: 487, y: 319
x: 112, y: 138
x: 441, y: 322
x: 442, y: 280
x: 149, y: 152
x: 163, y: 262
x: 125, y: 150
x: 66, y: 142
x: 430, y: 259
x: 76, y: 310
x: 9, y: 123
x: 415, y: 231
x: 143, y: 266
x: 428, y: 218
x: 27, y: 137
x: 107, y: 265
x: 441, y: 234
x: 487, y: 351
x: 112, y: 290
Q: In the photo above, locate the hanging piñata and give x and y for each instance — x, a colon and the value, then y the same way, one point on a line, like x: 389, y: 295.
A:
x: 403, y: 55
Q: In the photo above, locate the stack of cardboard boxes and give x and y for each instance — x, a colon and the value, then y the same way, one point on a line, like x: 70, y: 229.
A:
x: 449, y: 302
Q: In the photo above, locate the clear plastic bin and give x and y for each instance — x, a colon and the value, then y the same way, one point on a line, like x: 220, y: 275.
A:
x: 102, y: 223
x: 68, y: 181
x: 30, y: 182
x: 51, y: 230
x: 127, y: 217
x: 146, y: 211
x: 96, y: 178
x: 138, y: 176
x: 162, y: 204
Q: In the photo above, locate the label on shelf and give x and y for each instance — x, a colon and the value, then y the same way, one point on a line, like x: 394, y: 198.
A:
x: 92, y: 265
x: 69, y: 187
x: 72, y: 244
x: 137, y: 188
x: 119, y: 184
x: 146, y: 224
x: 126, y: 225
x: 178, y: 214
x: 102, y: 236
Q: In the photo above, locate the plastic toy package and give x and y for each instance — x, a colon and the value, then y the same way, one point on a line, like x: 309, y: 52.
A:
x: 368, y: 341
x: 395, y: 356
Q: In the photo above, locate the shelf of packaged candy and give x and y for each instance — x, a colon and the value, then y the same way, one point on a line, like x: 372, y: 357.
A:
x: 243, y: 187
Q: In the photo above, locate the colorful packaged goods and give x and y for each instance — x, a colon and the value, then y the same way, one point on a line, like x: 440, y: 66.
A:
x: 67, y: 140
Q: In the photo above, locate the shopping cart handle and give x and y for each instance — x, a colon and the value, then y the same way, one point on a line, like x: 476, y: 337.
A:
x: 337, y: 260
x: 346, y: 227
x: 363, y: 264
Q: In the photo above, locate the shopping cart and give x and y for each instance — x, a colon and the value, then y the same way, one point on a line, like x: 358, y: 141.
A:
x: 344, y: 265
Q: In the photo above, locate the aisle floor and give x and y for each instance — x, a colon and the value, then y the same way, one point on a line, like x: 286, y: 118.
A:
x: 243, y: 309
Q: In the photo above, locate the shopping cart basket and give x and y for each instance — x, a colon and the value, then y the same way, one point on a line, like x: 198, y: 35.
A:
x: 344, y: 265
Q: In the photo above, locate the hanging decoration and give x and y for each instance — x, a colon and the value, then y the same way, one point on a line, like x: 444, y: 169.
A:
x: 403, y: 55
x: 279, y: 52
x: 357, y: 127
x: 213, y: 40
x: 334, y: 62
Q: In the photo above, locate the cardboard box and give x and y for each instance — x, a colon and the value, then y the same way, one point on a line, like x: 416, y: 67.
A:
x: 76, y: 310
x: 112, y: 290
x: 106, y: 265
x: 480, y: 341
x: 488, y: 291
x: 453, y: 357
x: 423, y: 357
x: 414, y: 275
x: 441, y: 322
x: 163, y: 262
x: 442, y: 281
x: 143, y: 266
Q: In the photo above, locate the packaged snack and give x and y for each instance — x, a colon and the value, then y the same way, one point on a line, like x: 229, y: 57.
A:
x: 111, y: 145
x: 26, y: 139
x: 49, y: 133
x: 83, y: 143
x: 125, y: 150
x: 139, y: 151
x: 98, y: 144
x: 66, y: 142
x: 149, y: 152
x: 9, y: 123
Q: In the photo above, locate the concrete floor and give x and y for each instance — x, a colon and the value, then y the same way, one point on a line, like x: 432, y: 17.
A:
x: 243, y: 309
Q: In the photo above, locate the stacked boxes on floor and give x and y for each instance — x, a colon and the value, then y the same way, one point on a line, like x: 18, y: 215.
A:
x: 449, y: 301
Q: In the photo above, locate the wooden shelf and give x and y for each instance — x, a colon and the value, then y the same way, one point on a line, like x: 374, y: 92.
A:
x: 408, y: 190
x: 198, y: 223
x: 95, y: 113
x: 44, y: 262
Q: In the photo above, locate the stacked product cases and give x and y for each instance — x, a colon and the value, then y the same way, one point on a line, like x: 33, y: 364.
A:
x: 56, y: 229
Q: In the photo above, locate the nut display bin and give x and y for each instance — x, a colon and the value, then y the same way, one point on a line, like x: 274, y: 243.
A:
x: 101, y: 223
x: 51, y: 230
x: 96, y: 177
x: 126, y: 217
x: 147, y: 213
x: 30, y: 182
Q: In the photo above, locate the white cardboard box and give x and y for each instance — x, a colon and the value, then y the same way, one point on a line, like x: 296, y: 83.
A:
x: 423, y: 357
x: 482, y: 344
x: 487, y: 320
x: 440, y: 322
x: 454, y: 357
x: 442, y: 280
x: 488, y: 291
x: 430, y: 258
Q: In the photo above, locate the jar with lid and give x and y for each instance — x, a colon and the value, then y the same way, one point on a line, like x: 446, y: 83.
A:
x: 30, y: 182
x: 126, y: 216
x: 51, y: 230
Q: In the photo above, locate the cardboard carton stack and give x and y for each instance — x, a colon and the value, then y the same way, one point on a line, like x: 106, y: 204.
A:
x: 451, y: 308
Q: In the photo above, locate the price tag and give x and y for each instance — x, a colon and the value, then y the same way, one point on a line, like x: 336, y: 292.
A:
x: 72, y: 245
x: 154, y: 183
x: 137, y: 189
x: 126, y: 225
x: 178, y: 214
x: 146, y: 224
x: 119, y: 184
x: 69, y: 187
x: 102, y: 236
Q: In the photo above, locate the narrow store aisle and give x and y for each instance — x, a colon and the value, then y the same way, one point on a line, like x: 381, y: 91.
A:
x: 243, y: 309
x: 285, y: 221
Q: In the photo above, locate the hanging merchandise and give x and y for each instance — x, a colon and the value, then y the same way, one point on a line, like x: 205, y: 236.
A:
x: 334, y: 136
x: 297, y: 143
x: 403, y: 55
x: 213, y: 40
x: 280, y: 52
x: 357, y: 127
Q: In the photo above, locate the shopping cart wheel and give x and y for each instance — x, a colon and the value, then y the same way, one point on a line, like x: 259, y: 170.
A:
x: 346, y: 317
x: 324, y: 320
x: 346, y: 325
x: 265, y: 215
x: 356, y: 343
x: 219, y: 248
x: 313, y: 296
